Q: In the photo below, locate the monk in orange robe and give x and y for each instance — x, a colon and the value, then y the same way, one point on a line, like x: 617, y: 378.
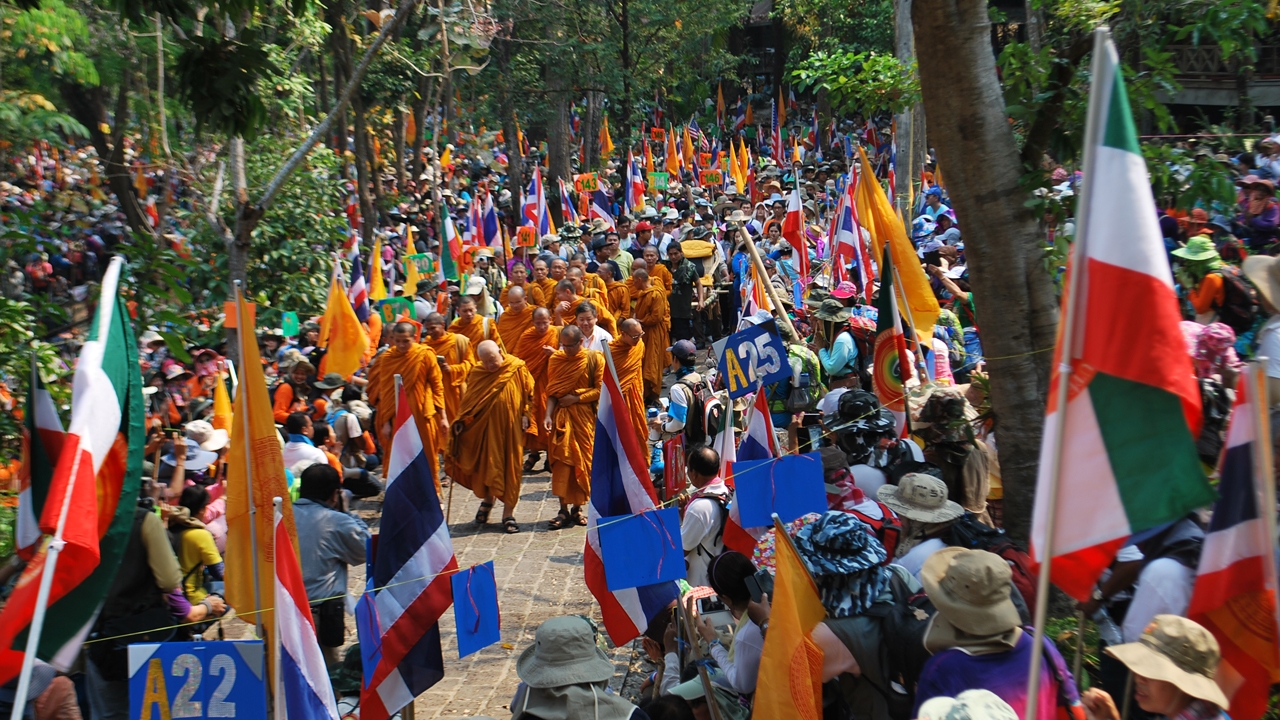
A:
x: 517, y: 315
x: 535, y: 347
x: 474, y: 326
x: 520, y: 278
x: 628, y: 360
x: 419, y: 371
x: 617, y: 294
x: 454, y: 355
x: 604, y: 317
x: 573, y: 389
x: 557, y: 274
x: 654, y: 313
x: 489, y: 432
x: 543, y: 280
x: 658, y: 273
x: 630, y: 282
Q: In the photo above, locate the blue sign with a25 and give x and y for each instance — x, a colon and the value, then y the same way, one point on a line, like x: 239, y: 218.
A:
x: 753, y: 357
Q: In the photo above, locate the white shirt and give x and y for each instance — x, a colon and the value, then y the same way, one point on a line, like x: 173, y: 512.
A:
x: 295, y: 452
x: 1164, y: 587
x: 699, y: 529
x: 913, y: 561
x: 599, y: 338
x: 868, y: 479
x: 740, y: 673
x: 1269, y: 345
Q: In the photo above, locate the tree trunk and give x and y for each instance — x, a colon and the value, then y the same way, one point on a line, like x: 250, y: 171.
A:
x: 591, y: 136
x: 558, y: 149
x: 364, y: 157
x: 323, y: 93
x: 1015, y: 296
x: 420, y: 127
x: 510, y: 133
x: 397, y: 136
x: 624, y: 103
x: 910, y: 123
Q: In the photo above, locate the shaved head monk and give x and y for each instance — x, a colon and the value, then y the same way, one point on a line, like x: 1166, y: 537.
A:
x: 520, y: 278
x: 628, y: 360
x: 474, y: 326
x: 517, y: 315
x: 454, y: 356
x: 573, y: 388
x: 419, y: 371
x: 547, y: 284
x: 617, y: 293
x: 489, y: 433
x: 535, y: 347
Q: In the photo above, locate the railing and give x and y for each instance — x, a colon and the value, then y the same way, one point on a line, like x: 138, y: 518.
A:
x: 1205, y: 61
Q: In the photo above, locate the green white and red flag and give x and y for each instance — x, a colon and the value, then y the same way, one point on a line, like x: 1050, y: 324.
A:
x: 42, y: 436
x: 91, y: 494
x: 1132, y: 411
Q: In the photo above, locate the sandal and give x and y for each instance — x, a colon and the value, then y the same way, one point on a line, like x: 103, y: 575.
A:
x: 510, y: 526
x: 577, y: 518
x: 560, y: 521
x: 482, y: 515
x: 529, y: 462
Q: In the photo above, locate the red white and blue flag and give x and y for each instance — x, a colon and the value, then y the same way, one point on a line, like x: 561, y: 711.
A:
x: 758, y: 443
x: 489, y: 221
x: 305, y: 692
x: 358, y: 289
x: 600, y: 209
x: 776, y: 148
x: 412, y: 565
x: 1235, y: 590
x: 619, y: 486
x: 793, y: 231
x: 567, y: 211
x: 535, y: 205
x: 740, y: 117
x: 634, y: 199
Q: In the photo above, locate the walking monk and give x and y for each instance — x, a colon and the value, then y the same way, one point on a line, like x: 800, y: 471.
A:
x: 454, y: 353
x: 535, y: 347
x: 573, y: 388
x: 517, y: 314
x: 476, y: 327
x: 419, y: 370
x: 654, y: 313
x: 658, y: 272
x: 597, y: 296
x: 618, y: 294
x: 628, y: 359
x: 520, y: 278
x: 489, y: 432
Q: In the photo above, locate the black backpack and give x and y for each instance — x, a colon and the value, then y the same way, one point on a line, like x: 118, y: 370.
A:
x: 903, y: 624
x: 1215, y: 407
x: 695, y: 429
x: 1239, y: 302
x: 967, y: 532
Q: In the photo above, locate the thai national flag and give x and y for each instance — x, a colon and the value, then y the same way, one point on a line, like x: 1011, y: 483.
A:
x: 412, y: 565
x: 600, y: 209
x: 306, y: 693
x: 567, y: 210
x: 793, y: 231
x: 619, y: 486
x: 740, y: 117
x: 358, y: 289
x: 489, y: 221
x: 1235, y: 590
x: 758, y: 443
x: 535, y: 205
x: 634, y: 181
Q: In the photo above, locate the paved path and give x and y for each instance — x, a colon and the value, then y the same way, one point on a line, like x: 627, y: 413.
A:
x: 539, y: 574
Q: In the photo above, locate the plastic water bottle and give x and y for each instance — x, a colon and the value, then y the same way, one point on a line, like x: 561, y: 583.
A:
x: 1108, y: 631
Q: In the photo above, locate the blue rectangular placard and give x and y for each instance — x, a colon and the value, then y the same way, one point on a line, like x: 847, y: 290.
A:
x: 643, y: 549
x: 475, y: 608
x: 197, y: 680
x: 753, y: 357
x: 790, y: 486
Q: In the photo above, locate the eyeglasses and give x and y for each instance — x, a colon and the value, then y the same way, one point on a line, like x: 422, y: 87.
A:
x: 637, y: 336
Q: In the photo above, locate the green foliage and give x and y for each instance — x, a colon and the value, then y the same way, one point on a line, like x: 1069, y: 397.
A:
x: 866, y: 83
x: 836, y: 26
x: 1184, y: 182
x: 1230, y: 24
x: 27, y: 116
x: 218, y: 77
x: 48, y: 38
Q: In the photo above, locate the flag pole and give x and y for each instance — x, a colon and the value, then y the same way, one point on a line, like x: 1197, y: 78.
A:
x: 248, y: 470
x: 1066, y: 349
x: 768, y: 286
x: 56, y: 543
x: 1264, y: 472
x: 277, y: 679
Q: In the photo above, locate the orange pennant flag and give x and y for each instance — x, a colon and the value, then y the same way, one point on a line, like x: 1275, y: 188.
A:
x: 673, y: 156
x: 790, y: 680
x: 222, y: 415
x: 341, y: 331
x: 688, y: 148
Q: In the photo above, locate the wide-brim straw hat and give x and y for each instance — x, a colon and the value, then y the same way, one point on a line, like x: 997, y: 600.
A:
x: 1176, y: 650
x: 564, y: 652
x: 920, y: 497
x: 971, y: 589
x: 1264, y: 272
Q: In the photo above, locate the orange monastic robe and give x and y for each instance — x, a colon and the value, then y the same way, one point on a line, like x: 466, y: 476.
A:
x: 594, y: 282
x: 573, y: 427
x: 531, y: 348
x: 548, y: 291
x: 532, y: 293
x: 488, y: 437
x: 513, y: 323
x: 660, y: 274
x: 619, y: 300
x: 456, y: 351
x: 628, y: 360
x: 423, y: 386
x: 477, y: 331
x: 654, y: 313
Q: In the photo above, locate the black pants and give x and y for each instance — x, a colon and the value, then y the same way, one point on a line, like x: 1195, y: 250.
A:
x: 681, y: 329
x: 331, y: 625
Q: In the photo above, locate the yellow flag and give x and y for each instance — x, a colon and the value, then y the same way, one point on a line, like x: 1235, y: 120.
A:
x: 606, y: 142
x: 688, y: 149
x: 648, y: 158
x: 446, y: 158
x: 673, y: 155
x: 877, y: 215
x: 744, y: 157
x: 790, y: 679
x: 253, y: 462
x: 221, y: 404
x: 411, y: 276
x: 377, y: 286
x: 341, y: 332
x: 782, y: 108
x: 738, y: 180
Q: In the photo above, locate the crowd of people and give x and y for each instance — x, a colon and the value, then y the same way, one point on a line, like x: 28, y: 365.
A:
x: 927, y: 600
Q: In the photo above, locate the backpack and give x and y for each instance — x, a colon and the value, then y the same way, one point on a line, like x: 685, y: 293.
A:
x: 903, y: 624
x: 800, y: 396
x: 887, y: 528
x: 863, y: 332
x: 1215, y: 407
x: 1239, y: 302
x: 723, y: 502
x: 695, y: 430
x: 967, y: 532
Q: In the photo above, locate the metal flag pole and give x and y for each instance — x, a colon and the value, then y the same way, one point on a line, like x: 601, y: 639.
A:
x: 1066, y: 349
x: 243, y: 413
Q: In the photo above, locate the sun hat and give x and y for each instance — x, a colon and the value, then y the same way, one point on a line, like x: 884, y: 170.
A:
x: 846, y: 561
x: 570, y: 231
x: 920, y: 497
x: 195, y: 457
x: 830, y: 403
x: 564, y: 652
x: 844, y: 290
x: 1264, y: 272
x: 210, y: 439
x: 1179, y: 651
x: 832, y: 310
x: 475, y: 285
x: 175, y: 371
x: 150, y: 337
x: 1197, y: 248
x: 971, y: 589
x: 977, y: 704
x: 331, y: 381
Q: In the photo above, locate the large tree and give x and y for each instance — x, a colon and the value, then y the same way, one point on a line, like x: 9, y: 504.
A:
x: 1015, y: 297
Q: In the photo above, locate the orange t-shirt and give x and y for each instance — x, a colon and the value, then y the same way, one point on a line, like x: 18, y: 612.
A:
x: 1209, y: 295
